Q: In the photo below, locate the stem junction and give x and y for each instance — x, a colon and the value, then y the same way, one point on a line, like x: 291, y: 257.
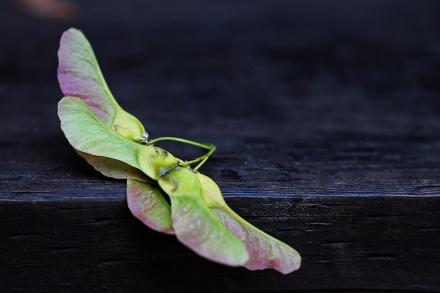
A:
x: 200, y: 160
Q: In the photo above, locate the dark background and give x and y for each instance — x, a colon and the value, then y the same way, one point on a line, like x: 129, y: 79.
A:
x: 326, y: 119
x: 303, y: 82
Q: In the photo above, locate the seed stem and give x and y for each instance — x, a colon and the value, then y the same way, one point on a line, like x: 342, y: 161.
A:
x: 201, y: 160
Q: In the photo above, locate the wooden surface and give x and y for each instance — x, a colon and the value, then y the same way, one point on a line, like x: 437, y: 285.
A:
x: 327, y: 128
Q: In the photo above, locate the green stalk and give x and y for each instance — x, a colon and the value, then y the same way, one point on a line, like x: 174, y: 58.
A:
x: 201, y: 160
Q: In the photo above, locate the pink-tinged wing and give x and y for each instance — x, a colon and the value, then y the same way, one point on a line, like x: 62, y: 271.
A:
x: 147, y: 203
x: 195, y: 225
x: 79, y: 75
x: 264, y: 250
x: 145, y: 199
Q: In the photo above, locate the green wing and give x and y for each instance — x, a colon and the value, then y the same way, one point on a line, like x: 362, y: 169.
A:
x: 146, y: 202
x: 89, y: 135
x: 195, y: 225
x: 113, y: 168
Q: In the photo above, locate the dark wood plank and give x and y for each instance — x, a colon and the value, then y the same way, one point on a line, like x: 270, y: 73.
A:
x: 373, y: 242
x: 326, y: 122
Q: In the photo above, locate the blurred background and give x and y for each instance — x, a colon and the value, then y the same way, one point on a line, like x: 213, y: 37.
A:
x: 302, y: 80
x: 310, y: 81
x: 325, y: 56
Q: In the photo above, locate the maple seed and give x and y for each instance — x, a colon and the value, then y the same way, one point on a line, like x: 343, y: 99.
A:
x: 164, y: 192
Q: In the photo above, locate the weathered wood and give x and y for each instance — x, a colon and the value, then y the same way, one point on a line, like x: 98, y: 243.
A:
x: 328, y: 137
x: 372, y: 242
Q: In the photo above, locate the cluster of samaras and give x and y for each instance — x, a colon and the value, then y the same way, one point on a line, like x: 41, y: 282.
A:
x: 115, y: 143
